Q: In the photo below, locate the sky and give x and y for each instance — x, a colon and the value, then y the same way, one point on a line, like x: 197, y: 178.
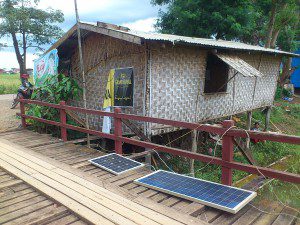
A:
x: 136, y: 14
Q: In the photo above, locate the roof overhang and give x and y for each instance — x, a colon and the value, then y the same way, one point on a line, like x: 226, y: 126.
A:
x: 68, y: 41
x: 88, y: 28
x: 239, y: 65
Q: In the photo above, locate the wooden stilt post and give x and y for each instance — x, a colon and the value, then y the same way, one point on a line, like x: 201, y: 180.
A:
x: 194, y: 149
x: 22, y: 109
x: 63, y: 120
x: 118, y: 132
x: 227, y: 153
x: 249, y: 121
x: 268, y: 115
x: 81, y: 63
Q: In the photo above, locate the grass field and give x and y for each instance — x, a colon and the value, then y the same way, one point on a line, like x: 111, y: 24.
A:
x: 9, y: 83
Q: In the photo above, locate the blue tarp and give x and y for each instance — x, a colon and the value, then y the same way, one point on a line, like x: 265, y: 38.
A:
x: 295, y: 77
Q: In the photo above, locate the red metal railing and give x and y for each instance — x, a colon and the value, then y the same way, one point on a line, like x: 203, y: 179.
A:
x: 226, y: 130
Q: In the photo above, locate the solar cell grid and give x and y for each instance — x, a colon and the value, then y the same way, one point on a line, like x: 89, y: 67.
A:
x: 223, y: 197
x: 115, y: 163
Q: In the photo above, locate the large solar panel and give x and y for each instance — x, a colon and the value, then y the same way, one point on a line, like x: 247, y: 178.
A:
x: 216, y: 195
x: 115, y: 163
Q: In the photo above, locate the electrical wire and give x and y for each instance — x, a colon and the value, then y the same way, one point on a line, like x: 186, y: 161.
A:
x: 254, y: 165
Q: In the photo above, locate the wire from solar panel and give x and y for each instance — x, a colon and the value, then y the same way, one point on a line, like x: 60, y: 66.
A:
x: 270, y: 184
x: 172, y: 142
x: 248, y: 136
x: 270, y: 213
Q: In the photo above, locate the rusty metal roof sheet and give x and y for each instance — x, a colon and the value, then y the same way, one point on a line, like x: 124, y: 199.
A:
x: 207, y: 42
x: 240, y: 65
x: 138, y: 37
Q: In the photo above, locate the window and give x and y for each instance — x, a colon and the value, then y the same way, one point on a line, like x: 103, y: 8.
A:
x: 216, y: 75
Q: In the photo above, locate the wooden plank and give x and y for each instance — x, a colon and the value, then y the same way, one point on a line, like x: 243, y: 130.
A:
x: 73, y: 205
x: 10, y: 183
x: 68, y: 219
x: 129, y: 186
x: 287, y: 217
x: 209, y: 215
x: 93, y: 187
x: 138, y: 190
x: 181, y: 217
x: 148, y: 193
x: 78, y: 223
x: 266, y: 219
x: 20, y: 205
x: 229, y: 218
x: 183, y: 203
x: 41, y: 216
x: 65, y: 180
x: 193, y: 208
x: 248, y: 218
x: 5, y: 178
x: 15, y: 195
x: 23, y: 211
x: 18, y: 199
x: 19, y: 187
x: 130, y: 178
x: 100, y: 206
x: 170, y: 201
x: 159, y: 197
x: 119, y: 217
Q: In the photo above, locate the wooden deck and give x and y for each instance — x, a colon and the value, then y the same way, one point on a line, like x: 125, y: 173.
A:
x: 21, y: 204
x: 61, y: 171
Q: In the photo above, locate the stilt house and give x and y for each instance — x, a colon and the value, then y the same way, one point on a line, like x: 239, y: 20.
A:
x: 175, y: 77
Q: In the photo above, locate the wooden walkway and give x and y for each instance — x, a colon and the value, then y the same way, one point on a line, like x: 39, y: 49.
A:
x: 21, y: 204
x: 62, y: 172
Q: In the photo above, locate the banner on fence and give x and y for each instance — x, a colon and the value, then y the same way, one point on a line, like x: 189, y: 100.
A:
x: 119, y: 92
x: 45, y: 67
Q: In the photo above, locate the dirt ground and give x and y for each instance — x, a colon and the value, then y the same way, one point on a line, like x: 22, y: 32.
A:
x: 8, y: 119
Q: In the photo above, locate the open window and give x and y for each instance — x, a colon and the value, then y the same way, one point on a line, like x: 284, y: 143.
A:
x: 216, y: 75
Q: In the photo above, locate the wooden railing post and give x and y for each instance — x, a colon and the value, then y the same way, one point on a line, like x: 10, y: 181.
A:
x: 227, y: 153
x: 118, y: 132
x: 22, y: 109
x: 63, y: 120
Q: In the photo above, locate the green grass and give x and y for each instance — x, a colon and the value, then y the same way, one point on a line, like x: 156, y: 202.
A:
x: 286, y: 117
x: 9, y: 83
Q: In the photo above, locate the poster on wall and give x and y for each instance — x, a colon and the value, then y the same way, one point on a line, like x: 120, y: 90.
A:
x: 119, y: 92
x: 45, y: 67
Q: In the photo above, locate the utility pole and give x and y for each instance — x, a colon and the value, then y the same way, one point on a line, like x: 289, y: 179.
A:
x: 82, y: 72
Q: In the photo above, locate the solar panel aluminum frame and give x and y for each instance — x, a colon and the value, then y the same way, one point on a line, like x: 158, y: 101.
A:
x: 111, y: 171
x: 224, y: 208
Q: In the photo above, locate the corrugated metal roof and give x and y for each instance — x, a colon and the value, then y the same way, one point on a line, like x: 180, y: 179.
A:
x: 240, y: 65
x: 175, y: 39
x: 206, y: 42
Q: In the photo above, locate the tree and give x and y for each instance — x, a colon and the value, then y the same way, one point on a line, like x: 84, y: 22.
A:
x: 269, y: 23
x: 28, y: 26
x: 224, y: 19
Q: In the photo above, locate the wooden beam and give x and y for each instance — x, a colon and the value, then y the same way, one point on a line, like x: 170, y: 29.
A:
x: 248, y: 126
x: 194, y: 150
x: 268, y: 115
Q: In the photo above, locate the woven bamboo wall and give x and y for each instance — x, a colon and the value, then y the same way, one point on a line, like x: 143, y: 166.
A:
x: 102, y: 53
x: 178, y: 75
x: 177, y: 81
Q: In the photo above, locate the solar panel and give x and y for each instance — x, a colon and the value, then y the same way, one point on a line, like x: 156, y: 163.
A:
x: 115, y: 163
x: 216, y: 195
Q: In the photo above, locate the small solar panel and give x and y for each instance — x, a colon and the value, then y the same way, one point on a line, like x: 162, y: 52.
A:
x: 216, y: 195
x: 115, y: 163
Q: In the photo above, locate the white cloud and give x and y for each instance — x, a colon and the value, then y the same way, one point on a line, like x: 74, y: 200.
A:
x: 8, y: 60
x: 146, y: 25
x: 136, y: 14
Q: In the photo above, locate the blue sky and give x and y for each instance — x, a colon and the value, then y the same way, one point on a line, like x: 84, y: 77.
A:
x: 135, y: 14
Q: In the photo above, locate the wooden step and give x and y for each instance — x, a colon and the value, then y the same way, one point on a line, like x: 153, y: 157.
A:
x: 90, y: 201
